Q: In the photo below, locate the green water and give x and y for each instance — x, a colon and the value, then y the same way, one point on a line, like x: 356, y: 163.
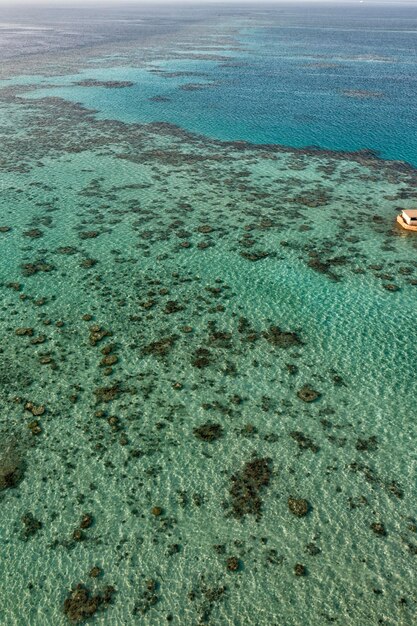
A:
x: 203, y: 246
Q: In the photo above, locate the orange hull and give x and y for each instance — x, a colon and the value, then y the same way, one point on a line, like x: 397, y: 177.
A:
x: 405, y: 225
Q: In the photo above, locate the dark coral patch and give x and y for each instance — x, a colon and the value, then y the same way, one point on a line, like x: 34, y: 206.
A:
x: 81, y: 605
x: 247, y: 486
x: 280, y: 338
x: 308, y: 394
x: 298, y: 506
x: 208, y: 432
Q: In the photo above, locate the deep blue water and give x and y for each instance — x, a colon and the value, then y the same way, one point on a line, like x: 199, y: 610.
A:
x: 340, y: 77
x: 305, y: 73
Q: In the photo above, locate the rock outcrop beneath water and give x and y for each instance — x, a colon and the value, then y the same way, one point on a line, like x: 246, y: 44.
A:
x: 298, y: 506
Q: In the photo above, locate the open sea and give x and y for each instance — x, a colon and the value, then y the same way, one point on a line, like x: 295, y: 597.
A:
x: 208, y: 347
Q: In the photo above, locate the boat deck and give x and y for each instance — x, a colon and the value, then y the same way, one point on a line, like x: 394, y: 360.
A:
x: 405, y: 225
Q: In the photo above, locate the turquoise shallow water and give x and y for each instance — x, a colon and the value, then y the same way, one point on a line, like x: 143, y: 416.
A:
x: 170, y: 303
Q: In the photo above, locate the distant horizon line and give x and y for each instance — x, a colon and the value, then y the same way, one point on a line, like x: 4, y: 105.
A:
x: 81, y: 4
x: 69, y: 3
